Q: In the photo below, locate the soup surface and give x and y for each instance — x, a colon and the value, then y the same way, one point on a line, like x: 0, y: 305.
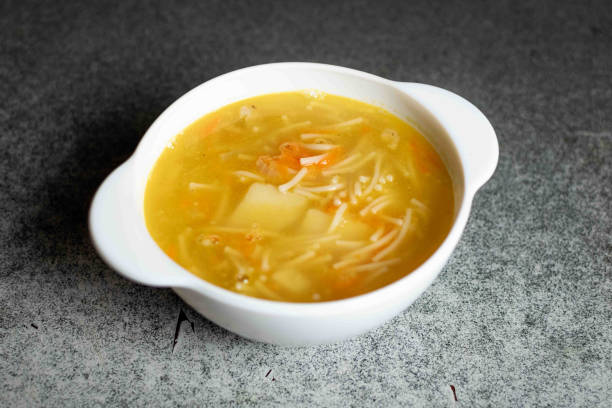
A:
x: 300, y: 197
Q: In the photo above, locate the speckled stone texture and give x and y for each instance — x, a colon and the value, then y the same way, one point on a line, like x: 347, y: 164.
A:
x: 521, y: 315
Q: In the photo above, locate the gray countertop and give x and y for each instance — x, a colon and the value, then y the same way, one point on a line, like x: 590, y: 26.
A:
x: 520, y: 316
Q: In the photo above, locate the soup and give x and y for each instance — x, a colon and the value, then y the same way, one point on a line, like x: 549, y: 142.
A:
x: 299, y: 197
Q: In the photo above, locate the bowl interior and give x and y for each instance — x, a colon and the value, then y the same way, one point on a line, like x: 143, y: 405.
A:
x: 273, y: 78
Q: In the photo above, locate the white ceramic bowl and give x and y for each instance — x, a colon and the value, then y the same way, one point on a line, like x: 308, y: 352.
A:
x: 458, y: 130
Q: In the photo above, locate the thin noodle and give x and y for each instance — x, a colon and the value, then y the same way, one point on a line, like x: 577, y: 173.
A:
x: 379, y: 232
x: 326, y: 238
x: 349, y: 169
x: 291, y: 127
x: 182, y: 245
x: 307, y: 194
x: 380, y: 206
x: 373, y: 275
x: 199, y: 186
x: 310, y: 160
x: 368, y: 207
x: 358, y: 191
x: 321, y: 105
x: 345, y: 123
x: 310, y: 136
x: 321, y: 189
x: 346, y: 161
x: 352, y: 197
x: 306, y: 239
x: 345, y: 262
x: 232, y: 230
x: 248, y: 174
x: 354, y: 257
x: 337, y: 218
x: 266, y: 291
x: 350, y: 244
x: 375, y: 245
x: 319, y: 146
x: 300, y: 259
x: 265, y: 260
x: 237, y: 259
x: 283, y: 188
x: 375, y: 177
x: 221, y: 207
x: 397, y: 221
x: 403, y: 231
x: 419, y: 205
x: 322, y: 259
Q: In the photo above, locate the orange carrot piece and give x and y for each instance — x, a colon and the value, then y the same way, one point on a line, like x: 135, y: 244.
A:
x: 345, y: 281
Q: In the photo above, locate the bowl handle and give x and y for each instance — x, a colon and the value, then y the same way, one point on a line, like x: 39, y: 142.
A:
x: 120, y: 240
x: 109, y: 225
x: 472, y: 133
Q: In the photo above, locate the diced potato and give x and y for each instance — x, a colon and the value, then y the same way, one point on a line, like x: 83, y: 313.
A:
x: 315, y: 222
x: 291, y: 281
x: 267, y: 207
x: 354, y: 230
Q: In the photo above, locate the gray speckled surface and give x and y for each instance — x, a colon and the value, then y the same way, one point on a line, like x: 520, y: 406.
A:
x: 521, y: 315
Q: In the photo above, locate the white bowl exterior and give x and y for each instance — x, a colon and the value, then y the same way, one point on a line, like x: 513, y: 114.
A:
x: 459, y: 132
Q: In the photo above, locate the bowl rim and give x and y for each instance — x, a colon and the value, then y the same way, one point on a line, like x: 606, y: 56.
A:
x: 420, y: 277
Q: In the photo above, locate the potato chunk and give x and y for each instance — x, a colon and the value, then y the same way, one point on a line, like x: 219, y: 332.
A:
x: 291, y: 281
x: 354, y: 230
x: 315, y: 222
x: 267, y: 207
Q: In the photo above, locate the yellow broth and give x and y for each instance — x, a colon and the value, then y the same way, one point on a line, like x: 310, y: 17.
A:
x: 299, y: 197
